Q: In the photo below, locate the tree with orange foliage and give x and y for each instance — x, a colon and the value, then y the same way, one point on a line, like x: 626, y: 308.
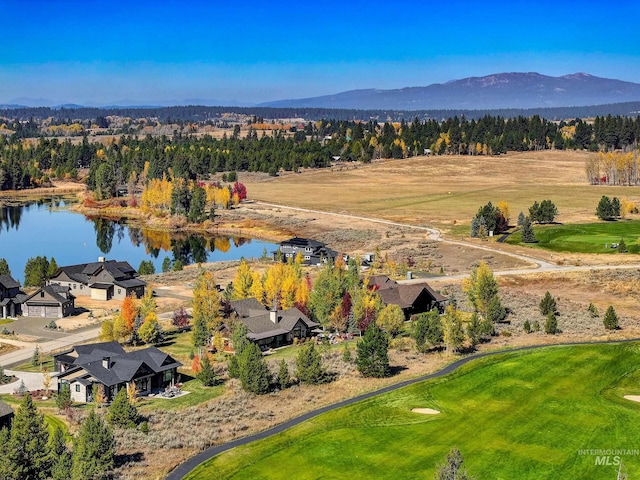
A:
x: 129, y: 312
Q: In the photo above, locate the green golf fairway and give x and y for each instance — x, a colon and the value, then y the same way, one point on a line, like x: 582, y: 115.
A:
x: 520, y: 415
x: 584, y: 238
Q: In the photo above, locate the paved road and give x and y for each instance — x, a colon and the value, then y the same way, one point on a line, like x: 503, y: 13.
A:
x: 26, y: 351
x: 32, y: 381
x: 183, y: 469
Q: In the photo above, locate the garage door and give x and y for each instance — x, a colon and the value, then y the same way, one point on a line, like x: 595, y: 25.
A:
x: 51, y: 312
x: 36, y: 311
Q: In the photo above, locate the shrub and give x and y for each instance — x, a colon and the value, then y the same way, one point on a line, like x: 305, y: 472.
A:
x: 536, y: 326
x: 610, y: 319
x: 346, y: 353
x: 527, y: 326
x: 593, y: 311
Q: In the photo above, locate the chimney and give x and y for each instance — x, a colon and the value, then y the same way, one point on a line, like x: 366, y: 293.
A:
x: 101, y: 259
x: 273, y: 313
x: 106, y: 362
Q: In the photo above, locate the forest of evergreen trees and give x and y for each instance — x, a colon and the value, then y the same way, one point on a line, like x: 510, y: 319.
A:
x: 199, y: 113
x: 24, y: 164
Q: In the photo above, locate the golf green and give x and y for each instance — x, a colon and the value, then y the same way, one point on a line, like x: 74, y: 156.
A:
x: 584, y: 238
x: 535, y: 414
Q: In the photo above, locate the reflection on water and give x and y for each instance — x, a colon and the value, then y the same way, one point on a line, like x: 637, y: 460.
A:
x: 47, y: 228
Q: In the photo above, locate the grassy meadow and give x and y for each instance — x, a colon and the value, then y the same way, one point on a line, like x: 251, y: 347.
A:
x: 522, y: 415
x: 446, y: 190
x: 585, y: 238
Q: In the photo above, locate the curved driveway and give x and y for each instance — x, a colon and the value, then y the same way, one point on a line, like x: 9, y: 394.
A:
x: 183, y: 469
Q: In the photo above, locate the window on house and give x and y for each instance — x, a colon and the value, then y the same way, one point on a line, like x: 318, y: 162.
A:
x: 74, y: 286
x: 307, y: 257
x: 77, y: 387
x: 119, y: 291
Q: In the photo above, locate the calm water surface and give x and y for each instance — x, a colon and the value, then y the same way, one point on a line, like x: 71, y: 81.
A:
x: 47, y: 228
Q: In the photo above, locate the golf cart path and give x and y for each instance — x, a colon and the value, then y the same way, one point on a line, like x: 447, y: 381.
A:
x: 185, y: 468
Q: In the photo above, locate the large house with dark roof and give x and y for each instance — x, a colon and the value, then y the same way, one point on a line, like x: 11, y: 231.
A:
x: 411, y: 298
x: 84, y: 367
x: 273, y: 328
x: 50, y: 301
x: 11, y: 297
x: 102, y: 280
x: 312, y: 251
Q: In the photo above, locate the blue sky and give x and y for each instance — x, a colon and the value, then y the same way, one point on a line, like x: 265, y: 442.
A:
x: 144, y: 51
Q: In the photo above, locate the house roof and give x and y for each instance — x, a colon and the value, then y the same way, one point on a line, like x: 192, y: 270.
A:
x: 406, y: 295
x: 130, y: 283
x: 261, y: 325
x: 302, y: 243
x: 5, y: 409
x: 7, y: 282
x: 380, y: 282
x: 123, y: 366
x: 54, y: 294
x: 247, y: 307
x: 83, y: 272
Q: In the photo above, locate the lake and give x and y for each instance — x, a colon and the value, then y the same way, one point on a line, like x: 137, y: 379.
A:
x: 47, y: 228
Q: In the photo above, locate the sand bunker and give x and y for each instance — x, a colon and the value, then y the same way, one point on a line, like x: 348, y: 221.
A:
x: 633, y: 398
x: 429, y: 411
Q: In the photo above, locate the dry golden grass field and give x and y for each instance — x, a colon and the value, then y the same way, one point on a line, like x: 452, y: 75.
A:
x: 443, y: 191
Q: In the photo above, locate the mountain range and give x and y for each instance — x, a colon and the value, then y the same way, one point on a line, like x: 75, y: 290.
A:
x: 501, y: 90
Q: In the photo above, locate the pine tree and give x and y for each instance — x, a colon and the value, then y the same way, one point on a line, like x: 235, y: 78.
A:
x: 547, y: 304
x: 284, y: 380
x: 622, y: 247
x: 28, y: 443
x: 496, y: 311
x: 527, y: 326
x: 521, y: 218
x: 372, y: 353
x: 610, y: 319
x: 6, y: 472
x: 4, y: 267
x: 121, y: 412
x: 94, y: 449
x: 63, y: 400
x: 254, y: 373
x: 206, y: 374
x: 551, y: 324
x: 35, y: 358
x: 527, y: 231
x: 59, y: 455
x: 427, y: 330
x: 604, y: 210
x: 309, y: 368
x: 166, y: 265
